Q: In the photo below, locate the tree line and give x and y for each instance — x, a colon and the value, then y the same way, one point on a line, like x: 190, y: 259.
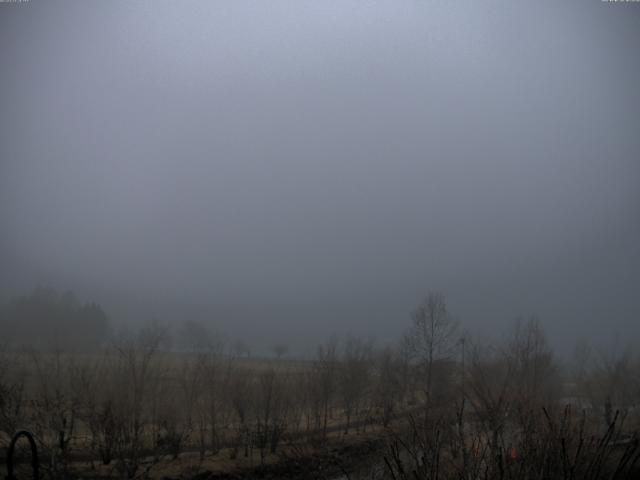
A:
x: 449, y: 405
x: 46, y: 319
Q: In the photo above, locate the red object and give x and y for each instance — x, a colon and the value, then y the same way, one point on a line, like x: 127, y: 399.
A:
x: 514, y: 453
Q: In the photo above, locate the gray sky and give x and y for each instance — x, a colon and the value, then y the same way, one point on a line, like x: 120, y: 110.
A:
x: 317, y: 167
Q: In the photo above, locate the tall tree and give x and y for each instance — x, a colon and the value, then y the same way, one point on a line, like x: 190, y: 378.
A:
x: 431, y: 337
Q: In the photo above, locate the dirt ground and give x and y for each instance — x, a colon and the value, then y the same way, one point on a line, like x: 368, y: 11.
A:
x: 343, y: 456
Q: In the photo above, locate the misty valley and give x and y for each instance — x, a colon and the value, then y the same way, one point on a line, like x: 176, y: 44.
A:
x: 319, y: 239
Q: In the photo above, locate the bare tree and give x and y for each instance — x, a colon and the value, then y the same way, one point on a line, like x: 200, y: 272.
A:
x: 609, y: 381
x: 12, y: 395
x: 56, y: 405
x: 241, y: 349
x: 280, y: 350
x: 135, y: 407
x: 490, y: 381
x: 270, y: 409
x: 431, y: 337
x: 178, y: 405
x: 388, y: 387
x: 212, y: 403
x: 322, y: 380
x: 535, y: 373
x: 240, y: 387
x: 354, y: 376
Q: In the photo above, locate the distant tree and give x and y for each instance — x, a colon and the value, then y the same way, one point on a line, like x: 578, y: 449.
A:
x: 610, y: 381
x: 241, y: 349
x: 280, y: 350
x: 533, y: 363
x: 193, y: 335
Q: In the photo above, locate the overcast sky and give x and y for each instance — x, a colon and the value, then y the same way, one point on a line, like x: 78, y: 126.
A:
x: 296, y: 169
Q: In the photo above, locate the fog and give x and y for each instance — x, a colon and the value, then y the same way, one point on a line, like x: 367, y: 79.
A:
x: 288, y: 170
